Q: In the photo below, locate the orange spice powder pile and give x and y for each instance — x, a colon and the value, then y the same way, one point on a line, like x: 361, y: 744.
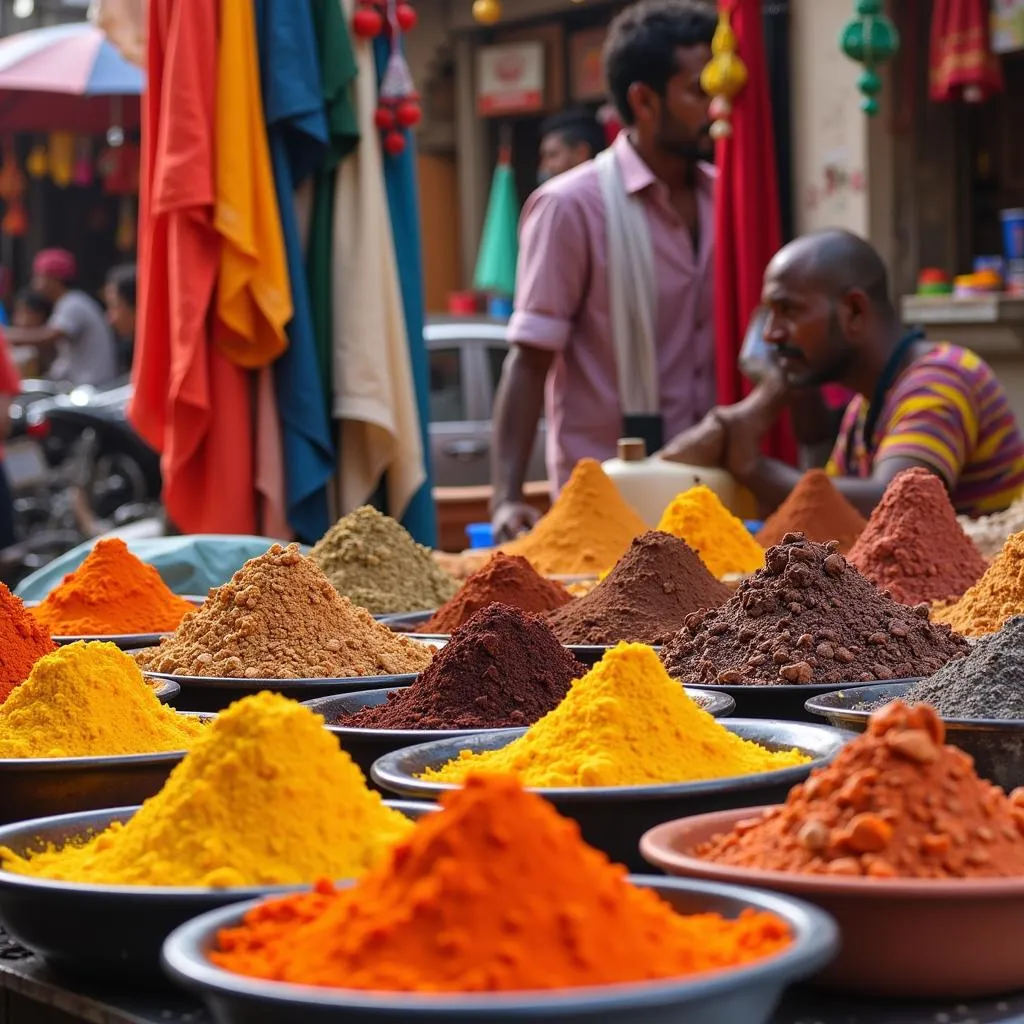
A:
x: 22, y: 642
x: 495, y: 893
x: 895, y: 803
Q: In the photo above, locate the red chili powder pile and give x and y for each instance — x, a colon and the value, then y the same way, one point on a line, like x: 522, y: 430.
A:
x: 895, y: 803
x: 22, y: 642
x: 505, y: 579
x: 913, y: 545
x: 817, y: 510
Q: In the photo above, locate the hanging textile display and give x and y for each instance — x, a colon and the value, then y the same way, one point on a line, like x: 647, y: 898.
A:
x: 962, y: 65
x: 870, y: 39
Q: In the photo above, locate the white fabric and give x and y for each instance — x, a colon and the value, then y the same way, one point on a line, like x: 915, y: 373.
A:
x: 374, y: 395
x: 632, y: 296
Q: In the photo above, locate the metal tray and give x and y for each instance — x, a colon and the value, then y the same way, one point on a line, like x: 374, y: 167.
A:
x: 366, y: 745
x: 91, y: 931
x: 996, y: 744
x: 165, y: 690
x: 746, y: 994
x: 406, y: 622
x: 613, y: 818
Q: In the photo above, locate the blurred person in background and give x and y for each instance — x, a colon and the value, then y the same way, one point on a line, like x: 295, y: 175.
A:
x: 119, y: 297
x: 10, y: 387
x: 77, y: 329
x: 567, y: 140
x: 31, y: 309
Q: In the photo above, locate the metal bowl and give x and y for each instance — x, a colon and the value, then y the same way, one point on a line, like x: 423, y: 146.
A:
x: 165, y: 690
x: 901, y: 938
x: 787, y: 702
x: 91, y: 931
x: 996, y: 744
x: 366, y: 745
x: 591, y: 654
x: 748, y: 993
x: 613, y: 818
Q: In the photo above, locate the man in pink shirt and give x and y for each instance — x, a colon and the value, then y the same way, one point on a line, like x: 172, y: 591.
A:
x: 563, y: 355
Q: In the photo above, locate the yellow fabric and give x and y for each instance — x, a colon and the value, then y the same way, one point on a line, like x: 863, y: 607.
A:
x: 254, y: 300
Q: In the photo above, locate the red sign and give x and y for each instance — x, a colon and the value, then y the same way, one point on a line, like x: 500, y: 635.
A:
x: 510, y: 79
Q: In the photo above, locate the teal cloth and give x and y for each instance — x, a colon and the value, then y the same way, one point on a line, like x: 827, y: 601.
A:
x: 499, y: 243
x: 188, y: 565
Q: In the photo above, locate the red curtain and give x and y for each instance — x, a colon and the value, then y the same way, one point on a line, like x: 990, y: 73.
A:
x: 747, y: 218
x: 962, y: 65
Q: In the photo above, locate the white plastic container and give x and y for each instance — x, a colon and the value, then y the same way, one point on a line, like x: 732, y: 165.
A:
x: 649, y: 484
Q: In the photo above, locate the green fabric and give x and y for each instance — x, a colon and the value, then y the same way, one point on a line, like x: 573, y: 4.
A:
x: 338, y: 70
x: 499, y: 243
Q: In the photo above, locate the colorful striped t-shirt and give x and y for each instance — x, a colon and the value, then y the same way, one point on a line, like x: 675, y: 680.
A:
x: 949, y: 411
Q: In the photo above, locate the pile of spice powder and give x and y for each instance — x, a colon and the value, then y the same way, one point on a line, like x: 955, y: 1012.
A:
x: 645, y: 598
x: 625, y: 723
x: 991, y: 532
x: 505, y: 579
x: 817, y: 510
x: 373, y: 561
x: 808, y: 617
x: 112, y: 593
x: 264, y: 797
x: 22, y: 642
x: 895, y: 803
x: 586, y: 530
x: 496, y: 893
x: 502, y: 669
x: 913, y: 546
x: 988, y: 683
x: 279, y: 618
x: 996, y: 597
x: 722, y: 541
x: 89, y: 700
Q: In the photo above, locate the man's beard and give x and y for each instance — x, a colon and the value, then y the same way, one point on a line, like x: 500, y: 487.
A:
x: 700, y: 148
x: 840, y: 360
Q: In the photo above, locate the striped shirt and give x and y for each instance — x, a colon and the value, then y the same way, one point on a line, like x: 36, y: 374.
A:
x: 948, y: 411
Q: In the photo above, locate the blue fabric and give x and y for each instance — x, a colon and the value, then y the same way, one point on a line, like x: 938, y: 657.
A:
x: 3, y: 316
x: 297, y: 130
x: 420, y: 517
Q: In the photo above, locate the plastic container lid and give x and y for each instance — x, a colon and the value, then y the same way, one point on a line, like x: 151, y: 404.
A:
x: 480, y: 535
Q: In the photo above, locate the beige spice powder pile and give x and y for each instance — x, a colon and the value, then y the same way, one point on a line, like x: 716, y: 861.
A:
x: 280, y: 618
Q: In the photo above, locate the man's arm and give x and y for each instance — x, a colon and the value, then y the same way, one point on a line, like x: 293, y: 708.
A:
x: 36, y: 337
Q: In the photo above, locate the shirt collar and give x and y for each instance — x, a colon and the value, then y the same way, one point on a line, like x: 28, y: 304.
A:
x: 637, y: 176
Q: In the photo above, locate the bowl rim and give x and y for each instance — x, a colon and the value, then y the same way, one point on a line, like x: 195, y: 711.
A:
x: 815, y: 942
x: 384, y: 776
x: 659, y: 847
x: 241, y: 683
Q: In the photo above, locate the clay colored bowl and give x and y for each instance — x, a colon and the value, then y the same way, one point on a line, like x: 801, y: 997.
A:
x: 900, y: 938
x: 741, y: 995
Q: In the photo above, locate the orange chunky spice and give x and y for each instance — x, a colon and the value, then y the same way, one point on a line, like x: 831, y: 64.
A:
x: 111, y: 593
x: 895, y: 803
x: 495, y: 893
x: 996, y: 597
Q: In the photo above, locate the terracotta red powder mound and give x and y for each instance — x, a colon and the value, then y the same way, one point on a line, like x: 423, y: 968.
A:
x: 816, y: 509
x: 22, y: 642
x: 913, y: 545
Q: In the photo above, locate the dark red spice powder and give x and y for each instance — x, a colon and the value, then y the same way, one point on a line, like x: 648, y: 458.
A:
x: 809, y: 617
x: 505, y: 579
x: 913, y: 545
x: 645, y: 599
x: 502, y: 669
x: 817, y: 510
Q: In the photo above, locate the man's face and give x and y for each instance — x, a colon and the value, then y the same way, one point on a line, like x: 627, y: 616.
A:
x: 47, y: 286
x: 120, y: 315
x: 557, y: 156
x: 679, y: 122
x: 803, y: 326
x: 25, y: 316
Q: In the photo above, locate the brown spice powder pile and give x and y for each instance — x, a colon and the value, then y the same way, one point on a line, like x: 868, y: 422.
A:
x: 809, y: 617
x: 816, y: 509
x: 279, y: 618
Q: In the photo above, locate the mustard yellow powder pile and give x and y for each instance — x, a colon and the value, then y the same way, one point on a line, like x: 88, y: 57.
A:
x: 89, y: 700
x: 721, y: 540
x: 625, y: 723
x: 266, y: 797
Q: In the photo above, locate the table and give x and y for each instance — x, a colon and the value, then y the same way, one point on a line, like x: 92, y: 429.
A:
x: 31, y: 994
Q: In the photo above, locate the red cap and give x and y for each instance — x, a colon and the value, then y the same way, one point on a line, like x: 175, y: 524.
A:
x: 58, y: 263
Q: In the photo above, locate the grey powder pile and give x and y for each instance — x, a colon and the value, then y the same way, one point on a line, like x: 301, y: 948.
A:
x: 987, y: 683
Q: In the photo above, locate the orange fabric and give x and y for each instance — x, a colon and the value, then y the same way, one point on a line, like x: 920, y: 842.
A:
x: 207, y: 459
x: 254, y: 300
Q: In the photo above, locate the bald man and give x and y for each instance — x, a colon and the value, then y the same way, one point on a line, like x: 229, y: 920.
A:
x: 830, y: 319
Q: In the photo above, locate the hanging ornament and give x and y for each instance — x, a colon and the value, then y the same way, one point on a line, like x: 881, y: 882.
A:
x: 407, y: 17
x: 368, y: 19
x: 83, y: 175
x: 870, y: 39
x: 37, y: 163
x: 725, y: 76
x: 15, y: 220
x: 62, y: 158
x: 12, y: 181
x: 124, y: 237
x: 487, y: 12
x: 398, y: 102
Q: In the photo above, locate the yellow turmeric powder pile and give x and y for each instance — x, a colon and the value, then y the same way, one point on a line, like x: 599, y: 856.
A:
x: 995, y: 598
x: 625, y: 723
x: 265, y: 797
x: 721, y: 540
x: 497, y: 893
x: 89, y: 700
x: 586, y: 531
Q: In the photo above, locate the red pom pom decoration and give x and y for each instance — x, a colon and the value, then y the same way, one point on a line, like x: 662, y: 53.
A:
x: 367, y: 23
x: 406, y: 16
x: 409, y: 114
x: 394, y: 143
x: 384, y: 118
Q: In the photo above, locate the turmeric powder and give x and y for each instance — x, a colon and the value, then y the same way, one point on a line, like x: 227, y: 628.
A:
x: 265, y: 797
x: 996, y: 597
x: 497, y: 893
x: 89, y: 700
x: 112, y: 593
x: 895, y: 803
x: 586, y: 530
x: 625, y: 723
x: 721, y: 540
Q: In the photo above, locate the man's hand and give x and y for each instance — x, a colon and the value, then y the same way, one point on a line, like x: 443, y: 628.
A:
x: 702, y: 445
x: 511, y: 518
x: 743, y: 435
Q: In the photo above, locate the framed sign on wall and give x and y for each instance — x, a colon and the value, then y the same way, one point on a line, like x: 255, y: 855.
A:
x: 587, y: 65
x: 510, y: 79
